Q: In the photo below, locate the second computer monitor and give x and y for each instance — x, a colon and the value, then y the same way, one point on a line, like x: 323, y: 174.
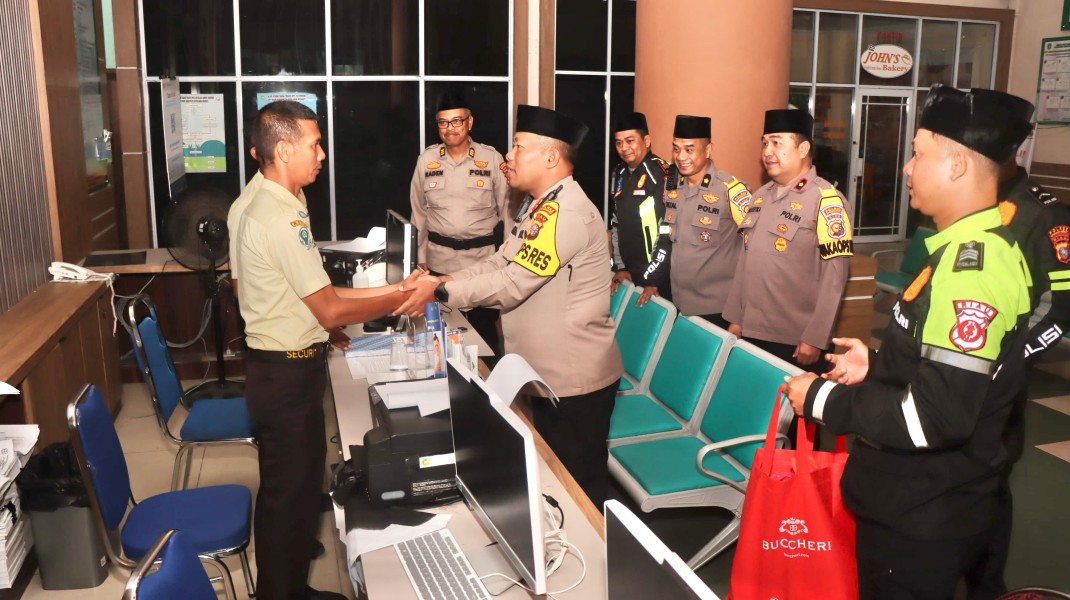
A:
x: 401, y: 244
x: 497, y: 472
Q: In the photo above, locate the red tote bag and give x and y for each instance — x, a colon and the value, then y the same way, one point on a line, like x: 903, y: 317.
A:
x: 796, y: 539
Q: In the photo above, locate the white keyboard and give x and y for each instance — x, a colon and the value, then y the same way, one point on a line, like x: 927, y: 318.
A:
x: 438, y: 569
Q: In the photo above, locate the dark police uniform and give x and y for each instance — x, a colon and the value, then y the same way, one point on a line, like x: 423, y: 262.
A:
x: 637, y: 211
x: 1041, y: 226
x: 923, y: 474
x: 791, y: 277
x: 458, y: 209
x: 285, y: 381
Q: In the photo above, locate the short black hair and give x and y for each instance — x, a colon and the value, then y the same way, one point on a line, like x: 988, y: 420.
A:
x: 277, y: 122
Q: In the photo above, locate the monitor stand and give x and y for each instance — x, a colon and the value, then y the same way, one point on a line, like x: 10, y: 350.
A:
x: 489, y: 559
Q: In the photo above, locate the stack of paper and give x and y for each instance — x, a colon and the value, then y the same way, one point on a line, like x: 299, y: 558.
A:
x: 15, y: 536
x: 16, y: 443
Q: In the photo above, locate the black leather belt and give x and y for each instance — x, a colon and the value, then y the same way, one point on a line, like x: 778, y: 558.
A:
x: 482, y: 241
x: 313, y: 352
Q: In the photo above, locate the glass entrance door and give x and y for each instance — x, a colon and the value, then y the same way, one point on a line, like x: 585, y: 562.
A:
x: 883, y: 122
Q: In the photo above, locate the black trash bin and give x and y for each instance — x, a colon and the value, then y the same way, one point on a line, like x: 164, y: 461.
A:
x: 69, y: 551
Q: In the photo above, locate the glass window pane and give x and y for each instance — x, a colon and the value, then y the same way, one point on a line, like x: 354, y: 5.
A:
x: 582, y: 96
x: 975, y: 55
x: 832, y: 134
x: 377, y: 142
x: 375, y: 37
x: 195, y: 37
x: 228, y: 182
x: 802, y: 45
x: 282, y: 37
x: 937, y: 52
x: 894, y: 31
x: 467, y: 37
x: 837, y: 42
x: 581, y: 20
x: 621, y: 96
x: 799, y: 97
x: 490, y: 109
x: 319, y: 193
x: 623, y: 54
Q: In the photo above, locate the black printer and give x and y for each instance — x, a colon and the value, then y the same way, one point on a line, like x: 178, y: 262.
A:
x: 408, y: 458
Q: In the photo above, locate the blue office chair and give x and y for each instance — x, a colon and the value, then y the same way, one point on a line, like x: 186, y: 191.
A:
x: 216, y: 520
x: 180, y: 575
x: 211, y: 421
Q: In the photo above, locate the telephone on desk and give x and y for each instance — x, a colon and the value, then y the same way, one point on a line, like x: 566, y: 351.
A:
x: 62, y: 271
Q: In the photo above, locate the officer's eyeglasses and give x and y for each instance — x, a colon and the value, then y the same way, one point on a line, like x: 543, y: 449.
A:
x: 455, y: 122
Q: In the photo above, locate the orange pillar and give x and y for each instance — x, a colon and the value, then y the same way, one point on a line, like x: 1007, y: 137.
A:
x: 725, y: 59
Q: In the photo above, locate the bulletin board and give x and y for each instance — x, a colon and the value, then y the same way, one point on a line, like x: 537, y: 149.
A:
x: 1053, y: 82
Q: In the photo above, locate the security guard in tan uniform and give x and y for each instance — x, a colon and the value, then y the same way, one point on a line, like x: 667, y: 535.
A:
x: 288, y: 304
x: 797, y: 242
x: 704, y: 207
x: 459, y: 202
x: 551, y: 280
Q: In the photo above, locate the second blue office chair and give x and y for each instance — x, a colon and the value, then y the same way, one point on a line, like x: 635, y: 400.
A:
x: 211, y: 421
x: 180, y: 575
x: 217, y: 519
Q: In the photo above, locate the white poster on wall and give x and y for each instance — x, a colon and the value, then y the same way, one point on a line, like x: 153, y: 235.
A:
x: 171, y: 105
x: 306, y: 98
x: 204, y: 135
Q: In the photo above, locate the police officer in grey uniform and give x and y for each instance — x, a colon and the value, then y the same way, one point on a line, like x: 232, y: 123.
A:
x: 797, y: 242
x: 459, y: 202
x: 288, y: 304
x: 704, y: 207
x: 551, y: 281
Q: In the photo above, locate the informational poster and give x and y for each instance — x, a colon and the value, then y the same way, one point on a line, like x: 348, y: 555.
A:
x: 171, y: 105
x: 306, y: 98
x: 1053, y: 88
x: 204, y: 135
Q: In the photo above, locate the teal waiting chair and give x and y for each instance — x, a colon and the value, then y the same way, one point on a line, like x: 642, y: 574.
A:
x: 616, y: 300
x: 894, y: 282
x: 640, y: 335
x: 210, y: 421
x: 687, y: 367
x: 711, y: 466
x: 170, y: 571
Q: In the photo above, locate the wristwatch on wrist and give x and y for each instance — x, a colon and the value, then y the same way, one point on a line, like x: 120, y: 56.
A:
x: 440, y: 292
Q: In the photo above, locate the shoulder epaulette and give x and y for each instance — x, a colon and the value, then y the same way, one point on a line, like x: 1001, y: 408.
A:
x: 672, y: 178
x: 1043, y: 196
x: 661, y: 163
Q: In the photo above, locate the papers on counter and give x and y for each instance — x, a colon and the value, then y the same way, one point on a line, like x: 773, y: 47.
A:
x: 375, y: 241
x: 429, y: 395
x: 512, y: 373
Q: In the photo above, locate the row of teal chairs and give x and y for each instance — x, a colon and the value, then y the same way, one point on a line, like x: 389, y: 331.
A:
x: 685, y: 436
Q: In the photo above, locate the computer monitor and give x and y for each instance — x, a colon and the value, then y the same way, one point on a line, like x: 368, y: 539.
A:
x: 639, y: 565
x: 401, y: 241
x: 497, y: 473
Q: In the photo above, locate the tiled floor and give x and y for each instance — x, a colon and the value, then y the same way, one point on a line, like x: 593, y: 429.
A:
x: 150, y: 457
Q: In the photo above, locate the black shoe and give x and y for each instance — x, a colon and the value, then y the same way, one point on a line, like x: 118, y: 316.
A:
x: 311, y: 594
x: 317, y: 549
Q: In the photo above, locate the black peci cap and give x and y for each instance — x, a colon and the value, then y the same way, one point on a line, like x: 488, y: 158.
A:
x: 451, y: 99
x: 1019, y: 114
x: 629, y: 121
x: 789, y: 120
x: 990, y: 123
x: 550, y: 123
x: 692, y: 128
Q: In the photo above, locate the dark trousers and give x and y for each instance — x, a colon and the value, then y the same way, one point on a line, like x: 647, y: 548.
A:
x: 984, y: 581
x: 576, y: 430
x: 285, y: 401
x: 485, y: 322
x: 892, y: 566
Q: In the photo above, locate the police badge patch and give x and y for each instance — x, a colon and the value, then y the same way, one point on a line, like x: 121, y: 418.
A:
x: 1060, y: 241
x: 971, y: 257
x: 972, y: 321
x: 481, y: 164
